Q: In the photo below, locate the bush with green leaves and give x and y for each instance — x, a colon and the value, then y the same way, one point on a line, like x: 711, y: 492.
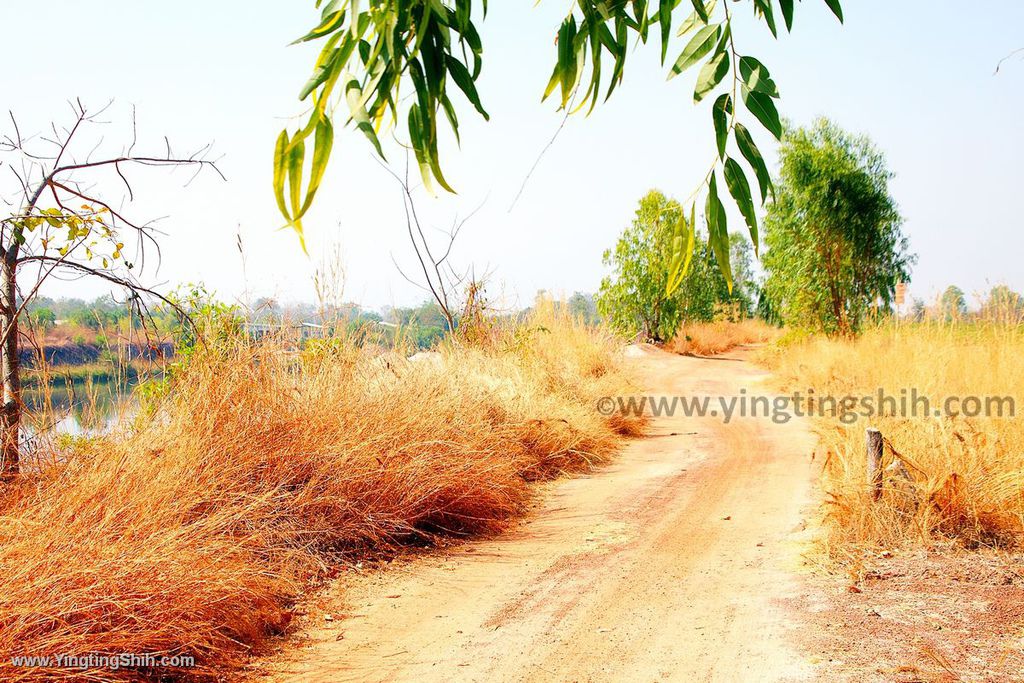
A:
x: 43, y: 318
x: 835, y: 248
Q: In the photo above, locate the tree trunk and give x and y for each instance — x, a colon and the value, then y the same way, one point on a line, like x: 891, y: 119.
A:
x: 10, y: 412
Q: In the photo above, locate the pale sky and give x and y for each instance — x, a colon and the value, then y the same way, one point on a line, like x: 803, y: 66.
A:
x: 916, y: 76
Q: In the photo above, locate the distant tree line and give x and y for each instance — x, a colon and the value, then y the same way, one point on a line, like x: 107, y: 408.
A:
x: 1001, y: 304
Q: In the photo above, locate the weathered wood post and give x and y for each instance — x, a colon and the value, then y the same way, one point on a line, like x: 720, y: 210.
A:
x: 874, y: 438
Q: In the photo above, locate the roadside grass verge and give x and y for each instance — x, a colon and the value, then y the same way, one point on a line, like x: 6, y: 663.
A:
x: 709, y: 339
x: 195, y: 530
x: 966, y: 473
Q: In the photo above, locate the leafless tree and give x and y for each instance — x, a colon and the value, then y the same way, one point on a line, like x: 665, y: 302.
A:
x: 59, y: 224
x: 440, y: 279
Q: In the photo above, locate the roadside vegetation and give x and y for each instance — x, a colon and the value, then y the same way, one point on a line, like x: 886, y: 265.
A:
x: 260, y: 467
x: 964, y: 473
x: 835, y: 258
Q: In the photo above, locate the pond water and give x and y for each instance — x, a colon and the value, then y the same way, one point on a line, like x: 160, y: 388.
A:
x: 88, y: 407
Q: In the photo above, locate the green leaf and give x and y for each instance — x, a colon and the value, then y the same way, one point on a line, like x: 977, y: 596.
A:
x: 756, y: 77
x: 328, y: 63
x: 323, y: 142
x: 665, y: 22
x: 693, y: 21
x: 701, y: 10
x: 281, y: 172
x: 689, y: 23
x: 329, y: 24
x: 567, y: 57
x: 787, y: 13
x: 753, y: 156
x: 416, y: 138
x: 765, y: 8
x: 460, y: 74
x: 711, y: 74
x: 836, y: 8
x: 683, y: 243
x: 739, y: 188
x: 762, y: 107
x: 354, y: 98
x: 720, y: 115
x: 295, y: 155
x: 699, y: 45
x: 718, y: 231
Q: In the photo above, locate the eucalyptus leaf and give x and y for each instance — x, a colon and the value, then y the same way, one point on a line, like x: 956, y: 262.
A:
x: 720, y: 113
x: 753, y: 156
x: 718, y: 230
x: 762, y: 107
x: 739, y: 188
x: 711, y: 74
x: 701, y: 44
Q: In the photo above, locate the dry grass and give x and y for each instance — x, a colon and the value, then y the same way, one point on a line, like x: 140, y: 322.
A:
x: 195, y: 532
x: 967, y: 473
x: 709, y: 339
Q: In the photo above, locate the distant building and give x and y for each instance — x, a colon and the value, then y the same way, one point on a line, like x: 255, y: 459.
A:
x: 304, y: 330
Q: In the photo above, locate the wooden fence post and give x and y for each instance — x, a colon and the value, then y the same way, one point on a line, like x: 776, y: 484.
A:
x: 875, y: 472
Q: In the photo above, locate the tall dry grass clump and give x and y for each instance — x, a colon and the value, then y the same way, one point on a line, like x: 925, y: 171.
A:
x: 964, y: 473
x: 720, y: 336
x: 194, y: 531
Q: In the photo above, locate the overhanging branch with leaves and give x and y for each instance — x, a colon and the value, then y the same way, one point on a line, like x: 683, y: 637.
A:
x: 374, y: 53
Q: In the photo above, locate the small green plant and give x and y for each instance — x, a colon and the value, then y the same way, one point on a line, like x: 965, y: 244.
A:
x: 198, y: 323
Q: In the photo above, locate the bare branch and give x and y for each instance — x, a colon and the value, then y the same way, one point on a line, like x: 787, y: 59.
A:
x: 1000, y: 64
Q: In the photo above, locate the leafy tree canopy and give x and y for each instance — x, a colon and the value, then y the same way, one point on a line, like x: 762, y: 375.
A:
x: 1004, y: 304
x: 635, y: 298
x: 835, y: 246
x: 953, y: 303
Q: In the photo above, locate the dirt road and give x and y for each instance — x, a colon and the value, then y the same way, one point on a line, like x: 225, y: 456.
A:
x: 668, y: 565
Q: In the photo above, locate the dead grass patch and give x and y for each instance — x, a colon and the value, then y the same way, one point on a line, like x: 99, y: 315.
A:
x: 195, y: 531
x: 966, y: 472
x: 710, y: 339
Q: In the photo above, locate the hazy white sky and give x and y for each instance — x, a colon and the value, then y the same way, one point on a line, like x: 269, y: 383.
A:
x: 916, y: 76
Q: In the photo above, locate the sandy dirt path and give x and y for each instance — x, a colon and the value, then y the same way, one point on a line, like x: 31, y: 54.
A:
x: 670, y: 564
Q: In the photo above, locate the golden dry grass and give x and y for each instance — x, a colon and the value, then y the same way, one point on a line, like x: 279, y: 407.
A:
x: 967, y: 473
x: 709, y: 339
x: 197, y: 530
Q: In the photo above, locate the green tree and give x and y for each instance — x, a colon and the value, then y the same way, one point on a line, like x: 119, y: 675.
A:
x: 392, y: 62
x: 833, y: 234
x: 918, y: 311
x: 582, y: 307
x: 635, y: 299
x: 745, y: 286
x: 953, y: 304
x: 44, y: 318
x: 1004, y: 305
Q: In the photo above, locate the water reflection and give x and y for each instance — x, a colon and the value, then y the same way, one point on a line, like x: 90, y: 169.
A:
x: 88, y: 407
